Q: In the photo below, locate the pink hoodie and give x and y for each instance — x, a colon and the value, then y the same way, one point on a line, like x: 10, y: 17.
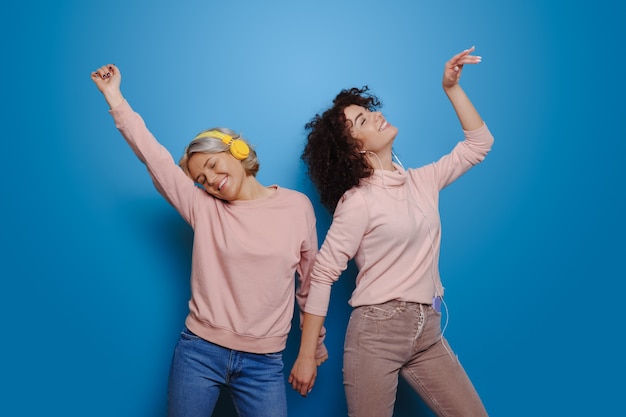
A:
x: 390, y: 225
x: 246, y: 254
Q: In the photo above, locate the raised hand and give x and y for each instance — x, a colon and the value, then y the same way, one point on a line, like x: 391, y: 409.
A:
x: 108, y: 79
x: 454, y: 67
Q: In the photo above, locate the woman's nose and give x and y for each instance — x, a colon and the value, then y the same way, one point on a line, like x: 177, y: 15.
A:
x: 211, y: 178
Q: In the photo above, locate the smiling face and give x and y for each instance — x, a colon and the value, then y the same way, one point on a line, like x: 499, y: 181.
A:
x: 370, y: 129
x: 220, y: 174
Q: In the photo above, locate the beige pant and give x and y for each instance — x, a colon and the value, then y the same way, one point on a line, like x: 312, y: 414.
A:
x: 394, y: 338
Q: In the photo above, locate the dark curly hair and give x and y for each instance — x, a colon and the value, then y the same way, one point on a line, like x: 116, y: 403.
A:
x: 335, y: 163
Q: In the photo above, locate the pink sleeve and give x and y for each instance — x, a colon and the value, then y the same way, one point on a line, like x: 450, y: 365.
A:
x: 342, y: 241
x: 465, y: 155
x: 308, y: 253
x: 168, y: 178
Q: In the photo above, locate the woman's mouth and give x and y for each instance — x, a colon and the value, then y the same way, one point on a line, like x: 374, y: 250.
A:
x: 222, y: 183
x: 383, y: 126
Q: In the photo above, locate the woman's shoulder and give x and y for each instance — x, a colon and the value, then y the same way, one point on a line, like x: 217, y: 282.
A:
x: 355, y: 196
x: 297, y: 197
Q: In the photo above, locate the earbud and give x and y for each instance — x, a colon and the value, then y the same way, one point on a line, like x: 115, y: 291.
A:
x: 237, y: 147
x: 396, y: 158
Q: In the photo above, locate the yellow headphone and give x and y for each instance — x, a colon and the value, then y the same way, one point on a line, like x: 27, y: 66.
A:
x: 237, y: 147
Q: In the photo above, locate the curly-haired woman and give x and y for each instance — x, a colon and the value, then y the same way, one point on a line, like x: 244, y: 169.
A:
x: 387, y: 219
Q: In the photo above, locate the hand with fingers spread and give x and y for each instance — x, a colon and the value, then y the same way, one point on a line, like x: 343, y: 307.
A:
x: 108, y: 79
x: 467, y: 114
x: 454, y: 67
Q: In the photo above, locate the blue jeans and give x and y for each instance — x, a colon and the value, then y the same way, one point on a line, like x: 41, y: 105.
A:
x: 200, y: 369
x: 398, y: 338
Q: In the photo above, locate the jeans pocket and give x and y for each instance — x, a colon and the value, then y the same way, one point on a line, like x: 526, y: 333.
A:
x: 379, y: 312
x: 186, y: 334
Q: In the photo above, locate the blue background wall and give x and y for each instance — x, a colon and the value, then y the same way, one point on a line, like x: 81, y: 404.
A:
x: 94, y: 264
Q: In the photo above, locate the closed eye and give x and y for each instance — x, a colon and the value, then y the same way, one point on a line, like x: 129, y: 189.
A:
x: 359, y: 119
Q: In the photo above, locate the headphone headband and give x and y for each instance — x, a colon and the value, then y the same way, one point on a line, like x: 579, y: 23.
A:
x: 215, y: 134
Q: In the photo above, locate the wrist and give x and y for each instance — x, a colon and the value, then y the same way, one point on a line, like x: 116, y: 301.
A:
x: 114, y: 98
x: 452, y: 88
x: 305, y: 354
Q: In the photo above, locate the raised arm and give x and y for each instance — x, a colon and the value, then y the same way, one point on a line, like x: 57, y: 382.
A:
x: 465, y: 111
x: 171, y: 182
x: 108, y: 79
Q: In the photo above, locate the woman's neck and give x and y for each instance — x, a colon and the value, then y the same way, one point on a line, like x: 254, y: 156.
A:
x: 254, y: 190
x: 383, y: 162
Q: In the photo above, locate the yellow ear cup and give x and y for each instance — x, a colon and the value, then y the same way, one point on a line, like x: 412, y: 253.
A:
x: 237, y: 147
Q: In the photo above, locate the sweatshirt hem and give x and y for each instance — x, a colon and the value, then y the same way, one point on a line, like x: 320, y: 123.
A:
x: 230, y: 340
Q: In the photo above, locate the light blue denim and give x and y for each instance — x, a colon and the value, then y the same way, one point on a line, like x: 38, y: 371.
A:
x: 201, y: 369
x: 398, y: 338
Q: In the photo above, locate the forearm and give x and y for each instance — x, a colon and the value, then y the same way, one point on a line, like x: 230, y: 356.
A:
x: 113, y: 97
x: 465, y: 110
x: 311, y: 328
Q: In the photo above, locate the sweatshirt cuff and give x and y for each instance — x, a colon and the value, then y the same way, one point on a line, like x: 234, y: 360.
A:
x: 478, y: 131
x: 321, y: 351
x: 123, y: 107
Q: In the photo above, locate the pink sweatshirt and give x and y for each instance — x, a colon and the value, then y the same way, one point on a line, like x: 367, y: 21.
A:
x: 246, y: 254
x: 390, y: 225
